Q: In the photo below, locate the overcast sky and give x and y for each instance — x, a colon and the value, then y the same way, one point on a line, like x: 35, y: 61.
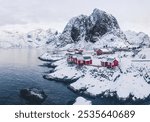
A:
x: 131, y: 14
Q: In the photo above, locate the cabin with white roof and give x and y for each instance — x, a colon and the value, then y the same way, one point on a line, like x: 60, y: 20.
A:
x: 79, y: 59
x: 109, y: 63
x: 103, y: 51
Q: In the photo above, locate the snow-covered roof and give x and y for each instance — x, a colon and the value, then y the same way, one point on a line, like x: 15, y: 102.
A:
x: 80, y: 58
x: 105, y: 50
x: 74, y: 56
x: 108, y: 59
x: 70, y: 53
x: 102, y: 49
x: 87, y: 57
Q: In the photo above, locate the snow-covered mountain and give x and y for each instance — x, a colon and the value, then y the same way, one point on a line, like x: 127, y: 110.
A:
x: 137, y: 39
x: 92, y: 29
x: 99, y: 29
x: 33, y: 39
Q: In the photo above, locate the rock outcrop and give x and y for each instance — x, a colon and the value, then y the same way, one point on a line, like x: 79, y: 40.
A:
x: 33, y: 95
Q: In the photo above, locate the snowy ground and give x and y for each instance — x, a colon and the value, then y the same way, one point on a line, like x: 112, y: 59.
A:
x: 51, y: 57
x: 82, y: 101
x: 64, y: 72
x: 131, y: 78
x: 131, y: 81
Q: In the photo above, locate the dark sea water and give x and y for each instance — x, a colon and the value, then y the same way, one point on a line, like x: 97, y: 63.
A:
x: 20, y: 68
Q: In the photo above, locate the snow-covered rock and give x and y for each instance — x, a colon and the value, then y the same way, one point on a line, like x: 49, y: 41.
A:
x: 143, y: 54
x: 124, y: 86
x: 64, y: 73
x: 33, y: 95
x: 138, y: 39
x: 82, y: 101
x: 48, y: 56
x: 110, y: 40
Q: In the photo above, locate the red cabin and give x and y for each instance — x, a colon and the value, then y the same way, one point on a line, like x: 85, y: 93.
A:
x: 84, y: 60
x: 103, y: 51
x: 79, y: 59
x: 110, y: 63
x: 98, y: 51
x: 87, y: 60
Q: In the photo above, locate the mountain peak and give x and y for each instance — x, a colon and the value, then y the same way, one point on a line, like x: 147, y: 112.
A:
x: 88, y: 27
x: 98, y: 11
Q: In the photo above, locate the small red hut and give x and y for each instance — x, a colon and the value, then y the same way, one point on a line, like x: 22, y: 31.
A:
x: 110, y: 63
x: 103, y: 51
x: 84, y: 60
x: 79, y: 59
x: 87, y: 60
x: 98, y: 51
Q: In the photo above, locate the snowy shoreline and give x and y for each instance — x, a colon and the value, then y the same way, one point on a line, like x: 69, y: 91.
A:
x: 90, y: 81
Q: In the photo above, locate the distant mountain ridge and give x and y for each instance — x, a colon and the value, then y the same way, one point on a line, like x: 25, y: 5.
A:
x: 33, y: 39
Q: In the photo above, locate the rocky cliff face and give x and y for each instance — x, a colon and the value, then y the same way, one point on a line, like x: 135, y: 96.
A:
x: 100, y: 23
x: 89, y: 28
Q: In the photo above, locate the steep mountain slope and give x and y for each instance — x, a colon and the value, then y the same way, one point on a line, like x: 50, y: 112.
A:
x: 91, y: 28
